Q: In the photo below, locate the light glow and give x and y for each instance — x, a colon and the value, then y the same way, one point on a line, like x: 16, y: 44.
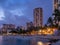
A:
x: 48, y: 31
x: 39, y: 43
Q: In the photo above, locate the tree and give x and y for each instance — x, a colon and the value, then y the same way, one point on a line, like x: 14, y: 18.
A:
x: 13, y: 31
x: 57, y: 18
x: 57, y: 15
x: 50, y: 21
x: 19, y: 30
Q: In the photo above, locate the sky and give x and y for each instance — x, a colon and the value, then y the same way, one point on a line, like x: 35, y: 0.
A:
x: 19, y: 12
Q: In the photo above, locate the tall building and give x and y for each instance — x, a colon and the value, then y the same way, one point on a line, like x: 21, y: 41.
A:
x: 38, y: 17
x: 56, y: 4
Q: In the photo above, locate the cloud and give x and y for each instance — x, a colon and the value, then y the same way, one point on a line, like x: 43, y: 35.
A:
x: 16, y: 10
x: 1, y: 14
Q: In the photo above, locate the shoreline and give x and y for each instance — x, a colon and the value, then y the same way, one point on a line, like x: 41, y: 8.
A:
x: 32, y: 36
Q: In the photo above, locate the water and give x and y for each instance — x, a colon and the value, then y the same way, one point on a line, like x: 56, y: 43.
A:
x: 16, y: 40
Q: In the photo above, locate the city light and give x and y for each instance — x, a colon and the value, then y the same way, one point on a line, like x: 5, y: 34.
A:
x: 39, y: 43
x: 48, y: 31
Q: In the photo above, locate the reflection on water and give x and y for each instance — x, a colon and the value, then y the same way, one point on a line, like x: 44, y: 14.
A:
x: 39, y: 43
x: 0, y: 40
x: 20, y: 41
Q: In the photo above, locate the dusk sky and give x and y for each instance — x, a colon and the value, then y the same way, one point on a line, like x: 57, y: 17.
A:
x: 21, y: 11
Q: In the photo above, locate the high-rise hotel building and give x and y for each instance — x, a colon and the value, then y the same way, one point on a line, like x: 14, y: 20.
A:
x: 38, y: 17
x: 56, y: 4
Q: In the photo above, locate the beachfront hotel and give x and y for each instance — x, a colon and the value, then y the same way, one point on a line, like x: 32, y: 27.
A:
x: 38, y: 17
x: 56, y: 4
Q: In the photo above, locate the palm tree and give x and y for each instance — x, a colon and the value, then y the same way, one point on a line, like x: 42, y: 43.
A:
x: 50, y: 21
x: 57, y: 18
x: 57, y: 15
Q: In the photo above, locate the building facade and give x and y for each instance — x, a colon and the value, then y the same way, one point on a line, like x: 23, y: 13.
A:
x: 7, y: 27
x: 38, y: 17
x: 29, y: 25
x: 56, y: 4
